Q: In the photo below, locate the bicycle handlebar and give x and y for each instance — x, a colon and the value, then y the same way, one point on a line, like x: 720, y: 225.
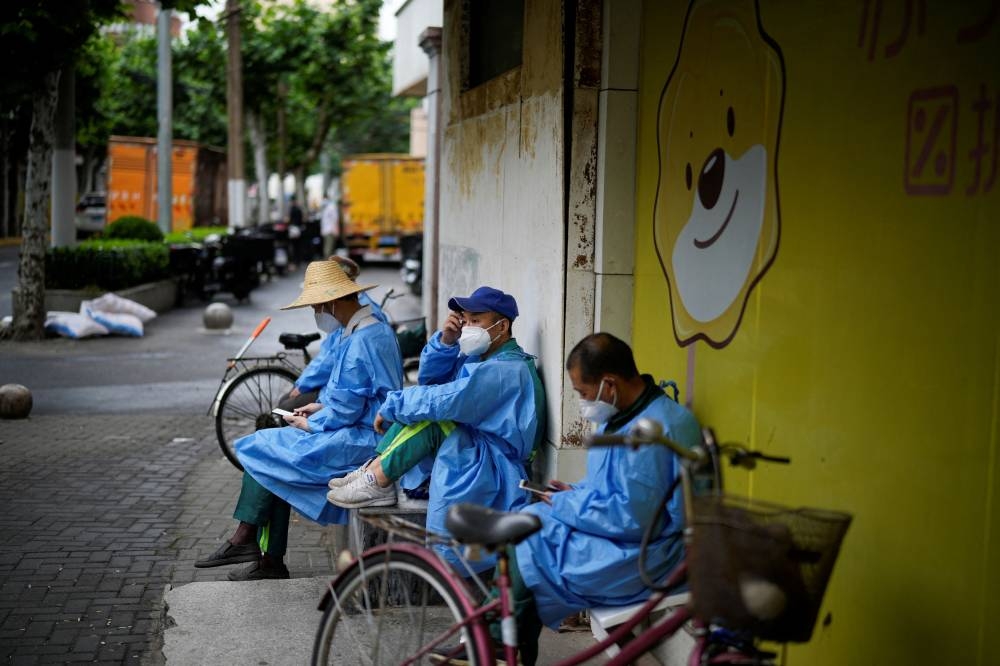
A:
x: 647, y: 431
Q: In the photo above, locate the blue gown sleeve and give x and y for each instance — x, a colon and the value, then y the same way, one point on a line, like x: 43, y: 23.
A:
x: 620, y: 494
x: 495, y: 397
x: 439, y: 363
x: 317, y: 373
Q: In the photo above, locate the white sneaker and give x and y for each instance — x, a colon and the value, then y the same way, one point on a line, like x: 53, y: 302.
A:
x: 362, y: 491
x: 341, y: 481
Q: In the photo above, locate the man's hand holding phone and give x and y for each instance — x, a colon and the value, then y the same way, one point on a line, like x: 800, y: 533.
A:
x: 543, y: 491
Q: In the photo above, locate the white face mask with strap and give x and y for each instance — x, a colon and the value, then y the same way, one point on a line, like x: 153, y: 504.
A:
x: 598, y: 411
x: 475, y: 340
x: 326, y: 322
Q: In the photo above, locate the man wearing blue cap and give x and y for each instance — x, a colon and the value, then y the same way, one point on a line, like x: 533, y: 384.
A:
x: 471, y: 426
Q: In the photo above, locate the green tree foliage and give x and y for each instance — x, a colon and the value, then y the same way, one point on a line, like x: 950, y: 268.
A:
x: 337, y: 75
x: 200, y: 85
x: 38, y: 41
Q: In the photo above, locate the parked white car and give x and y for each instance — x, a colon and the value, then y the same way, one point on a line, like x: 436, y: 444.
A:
x: 91, y: 213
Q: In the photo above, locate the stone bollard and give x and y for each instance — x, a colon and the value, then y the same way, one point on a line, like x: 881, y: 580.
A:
x: 15, y: 401
x: 217, y: 317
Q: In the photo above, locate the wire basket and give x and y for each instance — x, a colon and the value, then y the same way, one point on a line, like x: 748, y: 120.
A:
x: 762, y: 567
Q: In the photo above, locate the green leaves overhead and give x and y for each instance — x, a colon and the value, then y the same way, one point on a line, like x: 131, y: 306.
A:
x: 326, y: 59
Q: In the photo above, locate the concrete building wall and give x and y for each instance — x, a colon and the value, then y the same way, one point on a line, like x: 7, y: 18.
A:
x: 502, y: 186
x: 409, y: 62
x: 418, y: 131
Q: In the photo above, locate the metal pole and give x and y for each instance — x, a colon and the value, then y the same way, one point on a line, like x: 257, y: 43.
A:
x: 164, y: 117
x: 64, y: 162
x: 234, y: 106
x: 430, y: 42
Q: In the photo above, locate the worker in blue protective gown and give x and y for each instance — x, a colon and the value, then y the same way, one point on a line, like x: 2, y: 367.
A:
x: 472, y: 425
x: 587, y: 552
x: 316, y: 374
x: 291, y: 466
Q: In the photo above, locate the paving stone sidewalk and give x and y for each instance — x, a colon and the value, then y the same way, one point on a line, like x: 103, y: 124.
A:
x: 100, y: 514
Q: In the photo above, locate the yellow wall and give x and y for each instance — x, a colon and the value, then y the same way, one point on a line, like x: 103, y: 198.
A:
x: 869, y: 351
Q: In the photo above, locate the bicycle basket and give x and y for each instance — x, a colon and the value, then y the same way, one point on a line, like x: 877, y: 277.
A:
x: 762, y: 567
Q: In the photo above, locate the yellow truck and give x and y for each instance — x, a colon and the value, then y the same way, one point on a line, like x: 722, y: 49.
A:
x: 382, y: 202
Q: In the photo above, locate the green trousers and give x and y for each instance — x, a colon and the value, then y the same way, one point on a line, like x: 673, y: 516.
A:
x: 403, y: 446
x: 259, y: 506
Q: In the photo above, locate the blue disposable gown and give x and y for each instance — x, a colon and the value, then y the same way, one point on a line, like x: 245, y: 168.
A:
x: 296, y: 465
x: 316, y: 375
x: 587, y: 551
x: 498, y: 406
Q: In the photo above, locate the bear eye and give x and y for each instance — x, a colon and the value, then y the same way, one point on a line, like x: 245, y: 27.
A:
x: 687, y: 174
x: 730, y: 121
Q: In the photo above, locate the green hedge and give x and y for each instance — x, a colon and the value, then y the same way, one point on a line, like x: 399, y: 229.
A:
x: 135, y: 228
x: 106, y: 264
x: 194, y: 235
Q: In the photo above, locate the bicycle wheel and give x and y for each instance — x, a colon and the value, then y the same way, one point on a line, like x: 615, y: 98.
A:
x: 389, y: 606
x: 246, y: 405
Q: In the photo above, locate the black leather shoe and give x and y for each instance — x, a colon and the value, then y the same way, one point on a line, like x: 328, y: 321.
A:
x: 258, y: 571
x: 229, y: 553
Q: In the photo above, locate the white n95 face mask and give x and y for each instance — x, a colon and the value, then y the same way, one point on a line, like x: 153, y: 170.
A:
x: 326, y: 322
x: 598, y: 411
x: 474, y: 340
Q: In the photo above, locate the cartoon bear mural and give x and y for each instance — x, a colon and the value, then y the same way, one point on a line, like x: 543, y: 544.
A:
x: 716, y: 219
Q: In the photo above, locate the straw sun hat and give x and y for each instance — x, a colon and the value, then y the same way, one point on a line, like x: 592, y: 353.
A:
x: 325, y: 281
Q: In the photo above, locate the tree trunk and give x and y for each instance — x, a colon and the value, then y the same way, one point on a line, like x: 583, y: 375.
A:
x: 282, y: 204
x: 29, y: 302
x: 258, y: 141
x: 300, y: 190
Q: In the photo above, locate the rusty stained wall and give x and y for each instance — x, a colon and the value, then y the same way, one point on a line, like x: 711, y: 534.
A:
x: 582, y: 205
x: 502, y: 187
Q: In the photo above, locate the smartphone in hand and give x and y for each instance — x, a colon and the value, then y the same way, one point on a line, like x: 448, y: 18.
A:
x: 531, y: 486
x: 281, y: 412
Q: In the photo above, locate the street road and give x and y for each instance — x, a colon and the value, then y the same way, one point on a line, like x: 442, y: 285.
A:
x: 177, y: 365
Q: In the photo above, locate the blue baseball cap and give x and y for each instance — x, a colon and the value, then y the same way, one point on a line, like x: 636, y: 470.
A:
x: 486, y: 299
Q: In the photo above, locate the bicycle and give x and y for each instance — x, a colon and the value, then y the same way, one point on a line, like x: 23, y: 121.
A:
x: 251, y: 387
x: 756, y: 571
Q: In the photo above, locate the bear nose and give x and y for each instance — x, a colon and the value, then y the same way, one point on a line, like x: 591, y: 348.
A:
x: 710, y: 179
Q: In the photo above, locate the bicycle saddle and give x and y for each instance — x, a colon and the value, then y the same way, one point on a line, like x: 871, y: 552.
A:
x: 471, y: 523
x: 297, y: 340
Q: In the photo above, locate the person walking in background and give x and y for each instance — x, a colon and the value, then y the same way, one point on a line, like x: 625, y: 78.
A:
x: 329, y: 226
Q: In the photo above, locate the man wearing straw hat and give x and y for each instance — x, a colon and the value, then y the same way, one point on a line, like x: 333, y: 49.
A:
x: 291, y: 466
x: 471, y: 427
x: 315, y: 376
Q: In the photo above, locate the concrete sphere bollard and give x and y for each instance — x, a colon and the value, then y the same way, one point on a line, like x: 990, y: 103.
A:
x: 15, y: 401
x: 218, y: 316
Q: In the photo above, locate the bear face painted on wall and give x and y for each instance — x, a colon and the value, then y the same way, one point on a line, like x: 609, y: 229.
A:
x: 716, y: 219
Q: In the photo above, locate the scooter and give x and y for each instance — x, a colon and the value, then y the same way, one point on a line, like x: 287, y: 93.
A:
x: 412, y: 268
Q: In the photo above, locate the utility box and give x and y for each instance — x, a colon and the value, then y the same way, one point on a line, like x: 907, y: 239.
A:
x: 198, y: 182
x: 383, y: 203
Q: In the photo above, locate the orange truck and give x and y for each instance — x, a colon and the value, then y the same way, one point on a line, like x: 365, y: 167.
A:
x: 383, y: 204
x: 198, y: 182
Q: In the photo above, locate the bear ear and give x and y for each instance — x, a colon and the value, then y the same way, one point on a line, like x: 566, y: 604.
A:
x: 730, y: 121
